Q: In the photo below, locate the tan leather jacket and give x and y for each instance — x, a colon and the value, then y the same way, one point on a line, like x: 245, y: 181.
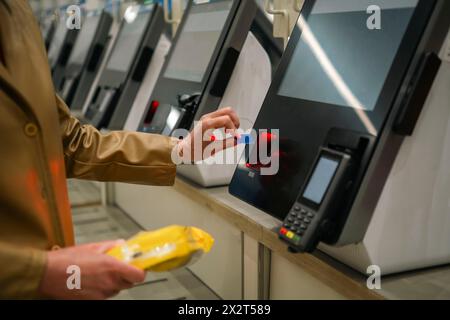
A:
x: 40, y: 145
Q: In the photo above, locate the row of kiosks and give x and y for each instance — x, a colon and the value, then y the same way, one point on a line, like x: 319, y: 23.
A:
x: 103, y: 63
x: 127, y: 65
x: 222, y: 52
x: 75, y: 55
x: 356, y: 128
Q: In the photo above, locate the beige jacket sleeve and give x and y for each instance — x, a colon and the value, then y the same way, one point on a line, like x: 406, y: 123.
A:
x: 118, y: 156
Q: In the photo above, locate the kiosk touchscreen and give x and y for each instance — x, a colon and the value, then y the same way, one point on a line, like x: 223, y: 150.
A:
x: 127, y: 64
x: 346, y: 95
x: 60, y: 50
x: 85, y: 60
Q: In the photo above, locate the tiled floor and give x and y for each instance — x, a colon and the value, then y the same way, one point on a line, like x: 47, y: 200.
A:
x: 83, y: 193
x: 95, y: 223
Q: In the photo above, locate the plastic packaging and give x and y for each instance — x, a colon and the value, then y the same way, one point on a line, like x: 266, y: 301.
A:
x: 165, y: 249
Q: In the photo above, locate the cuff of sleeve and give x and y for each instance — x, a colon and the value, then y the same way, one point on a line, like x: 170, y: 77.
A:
x: 36, y: 269
x: 22, y: 272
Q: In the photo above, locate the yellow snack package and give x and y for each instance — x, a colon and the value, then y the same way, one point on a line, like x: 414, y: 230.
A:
x: 165, y: 249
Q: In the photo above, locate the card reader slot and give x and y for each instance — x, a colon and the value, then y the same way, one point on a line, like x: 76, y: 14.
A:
x: 417, y: 94
x: 142, y: 65
x: 65, y: 54
x: 164, y: 120
x: 97, y: 53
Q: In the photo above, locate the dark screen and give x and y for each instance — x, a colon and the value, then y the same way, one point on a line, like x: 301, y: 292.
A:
x: 339, y: 60
x: 128, y: 43
x: 84, y: 40
x: 197, y: 42
x: 320, y: 180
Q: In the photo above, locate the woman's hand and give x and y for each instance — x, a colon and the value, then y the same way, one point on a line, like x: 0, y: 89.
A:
x: 102, y: 276
x: 192, y: 148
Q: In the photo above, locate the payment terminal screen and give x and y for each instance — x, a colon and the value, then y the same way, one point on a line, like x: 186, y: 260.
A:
x: 320, y: 180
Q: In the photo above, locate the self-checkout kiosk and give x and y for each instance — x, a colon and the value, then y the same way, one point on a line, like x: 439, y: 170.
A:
x: 129, y: 116
x: 364, y: 126
x: 85, y: 60
x: 127, y: 65
x: 126, y: 116
x: 60, y: 51
x: 214, y: 62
